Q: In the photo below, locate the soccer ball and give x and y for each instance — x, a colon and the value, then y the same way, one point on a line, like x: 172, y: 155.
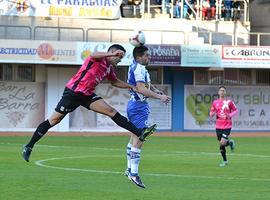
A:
x: 137, y: 39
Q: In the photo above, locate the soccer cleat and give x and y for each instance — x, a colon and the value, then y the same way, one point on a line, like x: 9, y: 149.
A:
x: 224, y: 163
x: 136, y: 180
x: 26, y: 152
x: 127, y: 172
x: 147, y: 132
x: 232, y: 145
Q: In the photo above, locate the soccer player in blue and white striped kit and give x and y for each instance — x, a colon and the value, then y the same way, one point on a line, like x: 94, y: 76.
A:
x: 138, y: 108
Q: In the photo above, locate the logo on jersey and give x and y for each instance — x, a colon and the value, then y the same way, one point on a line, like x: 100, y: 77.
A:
x: 146, y: 123
x: 62, y: 108
x: 224, y: 109
x: 225, y: 104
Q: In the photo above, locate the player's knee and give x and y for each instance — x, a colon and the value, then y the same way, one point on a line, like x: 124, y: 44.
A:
x: 222, y: 143
x: 110, y: 111
x: 54, y: 121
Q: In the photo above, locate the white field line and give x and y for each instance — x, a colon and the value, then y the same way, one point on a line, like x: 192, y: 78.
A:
x: 41, y: 163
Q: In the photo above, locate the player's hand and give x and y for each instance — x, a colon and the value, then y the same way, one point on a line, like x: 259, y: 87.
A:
x: 165, y: 99
x: 118, y: 53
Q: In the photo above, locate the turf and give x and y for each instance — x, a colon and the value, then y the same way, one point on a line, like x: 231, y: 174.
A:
x: 172, y: 168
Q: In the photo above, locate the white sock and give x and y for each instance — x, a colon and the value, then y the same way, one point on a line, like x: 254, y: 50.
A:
x: 128, y: 155
x: 135, y: 155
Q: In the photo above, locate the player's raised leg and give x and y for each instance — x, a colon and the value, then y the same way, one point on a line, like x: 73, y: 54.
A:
x: 232, y: 144
x: 102, y: 107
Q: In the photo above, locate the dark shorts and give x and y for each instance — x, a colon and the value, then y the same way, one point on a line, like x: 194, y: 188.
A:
x: 223, y: 133
x: 72, y: 100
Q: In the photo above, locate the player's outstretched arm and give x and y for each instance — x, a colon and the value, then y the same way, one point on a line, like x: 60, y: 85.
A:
x: 121, y: 84
x: 148, y: 93
x: 100, y: 55
x: 154, y: 89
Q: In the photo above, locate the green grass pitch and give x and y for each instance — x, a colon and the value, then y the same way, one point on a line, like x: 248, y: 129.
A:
x: 172, y: 168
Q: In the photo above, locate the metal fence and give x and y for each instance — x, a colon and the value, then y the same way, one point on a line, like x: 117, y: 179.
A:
x: 119, y: 35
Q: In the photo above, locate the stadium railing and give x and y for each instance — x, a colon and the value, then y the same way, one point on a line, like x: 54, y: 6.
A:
x: 7, y: 30
x: 61, y: 34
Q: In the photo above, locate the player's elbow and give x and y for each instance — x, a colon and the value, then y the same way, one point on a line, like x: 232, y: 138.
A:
x: 235, y: 112
x: 96, y: 56
x: 140, y: 90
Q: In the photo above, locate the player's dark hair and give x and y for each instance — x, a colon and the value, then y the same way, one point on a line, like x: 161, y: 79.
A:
x: 117, y: 47
x: 139, y: 51
x: 222, y: 86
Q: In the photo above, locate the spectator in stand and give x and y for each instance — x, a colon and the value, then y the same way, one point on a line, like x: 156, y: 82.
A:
x: 228, y: 8
x: 213, y: 8
x: 206, y: 10
x: 237, y: 10
x: 168, y: 7
x: 195, y: 6
x: 177, y: 9
x: 185, y: 10
x: 222, y: 10
x: 124, y: 3
x: 138, y: 4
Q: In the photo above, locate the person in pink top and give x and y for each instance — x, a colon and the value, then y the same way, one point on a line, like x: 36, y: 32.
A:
x: 79, y: 91
x: 224, y: 109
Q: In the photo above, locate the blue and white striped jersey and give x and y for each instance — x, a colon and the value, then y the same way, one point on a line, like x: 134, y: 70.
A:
x: 138, y: 73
